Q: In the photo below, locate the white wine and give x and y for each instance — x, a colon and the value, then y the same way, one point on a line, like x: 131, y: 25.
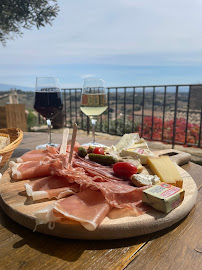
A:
x: 93, y: 111
x: 93, y: 104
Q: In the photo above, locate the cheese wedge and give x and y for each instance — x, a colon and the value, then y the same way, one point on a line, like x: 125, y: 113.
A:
x: 166, y: 170
x: 4, y: 140
x: 131, y: 140
x: 127, y: 140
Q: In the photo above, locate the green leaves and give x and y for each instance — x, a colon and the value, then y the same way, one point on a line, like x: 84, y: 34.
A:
x: 18, y: 14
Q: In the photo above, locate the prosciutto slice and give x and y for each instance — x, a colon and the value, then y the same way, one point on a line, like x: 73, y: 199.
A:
x: 118, y: 194
x: 44, y: 154
x: 51, y: 187
x: 36, y: 168
x: 95, y: 169
x: 34, y: 155
x: 28, y: 169
x: 92, y: 189
x: 88, y: 207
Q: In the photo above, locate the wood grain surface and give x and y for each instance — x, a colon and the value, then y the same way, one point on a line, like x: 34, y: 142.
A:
x: 181, y: 246
x: 19, y: 207
x: 178, y: 247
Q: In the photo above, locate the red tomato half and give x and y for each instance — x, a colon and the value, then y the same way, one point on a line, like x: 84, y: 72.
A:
x: 124, y: 169
x: 98, y: 150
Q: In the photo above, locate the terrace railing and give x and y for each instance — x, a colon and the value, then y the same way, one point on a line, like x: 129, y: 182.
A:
x: 166, y: 113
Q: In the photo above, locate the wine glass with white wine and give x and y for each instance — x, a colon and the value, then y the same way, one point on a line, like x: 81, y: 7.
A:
x: 93, y: 102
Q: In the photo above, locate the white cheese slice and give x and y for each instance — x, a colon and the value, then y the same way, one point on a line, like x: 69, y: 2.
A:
x: 140, y: 144
x: 137, y: 153
x: 141, y: 180
x: 127, y: 140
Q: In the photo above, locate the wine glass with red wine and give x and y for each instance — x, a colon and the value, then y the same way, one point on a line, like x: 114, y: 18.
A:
x: 48, y: 102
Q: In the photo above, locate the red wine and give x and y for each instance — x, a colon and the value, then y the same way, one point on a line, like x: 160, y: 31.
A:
x: 48, y: 104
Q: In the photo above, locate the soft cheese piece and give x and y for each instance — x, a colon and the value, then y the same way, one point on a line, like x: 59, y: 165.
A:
x: 166, y: 170
x: 141, y: 143
x: 137, y: 153
x: 141, y: 180
x: 4, y: 140
x: 127, y: 140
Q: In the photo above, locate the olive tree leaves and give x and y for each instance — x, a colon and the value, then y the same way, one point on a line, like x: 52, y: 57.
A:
x: 18, y: 14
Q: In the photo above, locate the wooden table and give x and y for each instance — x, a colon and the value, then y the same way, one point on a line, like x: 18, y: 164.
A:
x: 177, y: 247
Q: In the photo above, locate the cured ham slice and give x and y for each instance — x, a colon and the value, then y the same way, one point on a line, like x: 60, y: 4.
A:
x: 44, y: 154
x: 34, y: 155
x: 46, y: 216
x: 88, y: 207
x: 76, y: 145
x: 50, y: 187
x: 95, y: 169
x: 40, y: 154
x: 92, y: 189
x: 72, y: 174
x: 28, y: 169
x: 118, y: 194
x: 36, y: 168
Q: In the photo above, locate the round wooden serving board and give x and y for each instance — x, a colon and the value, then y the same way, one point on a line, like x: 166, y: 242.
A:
x: 20, y: 208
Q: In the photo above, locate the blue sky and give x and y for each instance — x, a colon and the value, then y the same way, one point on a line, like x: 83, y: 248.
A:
x: 125, y: 42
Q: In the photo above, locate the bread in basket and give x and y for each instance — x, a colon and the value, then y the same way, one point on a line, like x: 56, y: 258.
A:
x: 16, y: 136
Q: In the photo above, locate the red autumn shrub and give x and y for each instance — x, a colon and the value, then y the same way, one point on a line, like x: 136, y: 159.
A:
x: 166, y: 134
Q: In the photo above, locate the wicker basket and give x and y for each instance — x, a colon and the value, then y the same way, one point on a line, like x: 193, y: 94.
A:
x: 16, y: 136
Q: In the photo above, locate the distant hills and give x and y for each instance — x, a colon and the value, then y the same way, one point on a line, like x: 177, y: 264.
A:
x: 7, y: 87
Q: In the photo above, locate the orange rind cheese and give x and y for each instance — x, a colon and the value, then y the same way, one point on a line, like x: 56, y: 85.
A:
x: 166, y: 170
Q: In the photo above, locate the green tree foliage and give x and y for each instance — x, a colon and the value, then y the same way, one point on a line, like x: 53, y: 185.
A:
x: 31, y: 120
x: 18, y: 14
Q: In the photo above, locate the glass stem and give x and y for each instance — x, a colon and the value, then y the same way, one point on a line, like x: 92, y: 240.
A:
x: 48, y: 121
x: 93, y: 121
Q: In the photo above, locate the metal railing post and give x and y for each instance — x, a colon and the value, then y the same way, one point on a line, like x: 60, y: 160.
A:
x: 108, y: 109
x: 153, y: 100
x: 175, y: 117
x: 199, y: 135
x: 124, y: 111
x: 143, y: 100
x: 75, y: 105
x: 133, y: 111
x: 164, y: 110
x: 187, y: 118
x: 116, y: 108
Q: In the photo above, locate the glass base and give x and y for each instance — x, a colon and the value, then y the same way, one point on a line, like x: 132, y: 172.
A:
x: 43, y: 146
x: 94, y: 144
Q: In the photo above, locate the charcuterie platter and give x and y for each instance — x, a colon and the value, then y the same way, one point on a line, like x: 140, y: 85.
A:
x: 119, y: 223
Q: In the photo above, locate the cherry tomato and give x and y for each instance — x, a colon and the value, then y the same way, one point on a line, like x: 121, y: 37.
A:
x: 124, y: 169
x: 98, y: 150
